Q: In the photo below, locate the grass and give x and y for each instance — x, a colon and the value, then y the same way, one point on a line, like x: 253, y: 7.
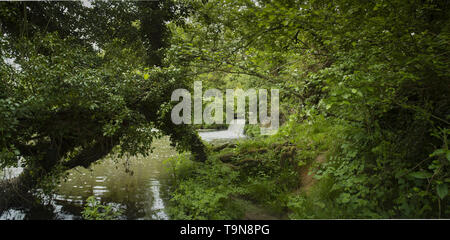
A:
x: 259, y: 177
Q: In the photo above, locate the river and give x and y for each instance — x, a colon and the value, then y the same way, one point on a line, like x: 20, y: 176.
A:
x: 135, y: 184
x: 132, y: 184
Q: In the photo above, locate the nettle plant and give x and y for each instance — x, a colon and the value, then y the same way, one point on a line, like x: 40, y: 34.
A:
x: 95, y: 210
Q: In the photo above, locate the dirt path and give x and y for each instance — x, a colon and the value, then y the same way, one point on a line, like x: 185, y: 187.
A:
x: 306, y: 178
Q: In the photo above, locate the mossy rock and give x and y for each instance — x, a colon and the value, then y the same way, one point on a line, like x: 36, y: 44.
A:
x: 279, y: 147
x: 249, y: 163
x: 226, y: 157
x: 223, y: 146
x: 256, y: 150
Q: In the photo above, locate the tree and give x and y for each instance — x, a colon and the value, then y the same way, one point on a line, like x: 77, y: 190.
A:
x: 380, y: 68
x: 79, y: 89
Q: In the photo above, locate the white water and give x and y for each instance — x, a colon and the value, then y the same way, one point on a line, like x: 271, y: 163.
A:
x: 11, y: 172
x: 235, y: 130
x: 158, y: 204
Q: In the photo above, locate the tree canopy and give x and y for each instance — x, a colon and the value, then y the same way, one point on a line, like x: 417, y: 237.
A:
x: 377, y: 70
x: 77, y: 82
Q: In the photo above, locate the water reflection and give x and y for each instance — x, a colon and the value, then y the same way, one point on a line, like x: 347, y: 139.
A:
x: 132, y: 184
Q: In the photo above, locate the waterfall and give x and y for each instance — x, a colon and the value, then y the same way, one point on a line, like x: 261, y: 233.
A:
x: 235, y: 130
x: 237, y: 126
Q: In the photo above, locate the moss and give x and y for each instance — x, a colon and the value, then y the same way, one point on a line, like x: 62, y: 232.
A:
x: 227, y: 157
x: 262, y: 171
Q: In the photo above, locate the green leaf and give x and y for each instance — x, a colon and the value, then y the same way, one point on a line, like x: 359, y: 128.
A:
x: 442, y: 190
x: 345, y: 197
x: 437, y: 152
x: 421, y: 175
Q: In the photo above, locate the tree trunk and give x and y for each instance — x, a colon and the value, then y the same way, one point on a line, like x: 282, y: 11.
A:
x: 16, y: 192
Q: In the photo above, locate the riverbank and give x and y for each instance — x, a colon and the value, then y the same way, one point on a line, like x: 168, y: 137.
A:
x: 265, y: 177
x: 134, y: 186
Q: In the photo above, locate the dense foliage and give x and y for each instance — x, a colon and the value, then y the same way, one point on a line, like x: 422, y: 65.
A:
x: 376, y: 70
x: 78, y: 82
x: 364, y: 99
x: 94, y: 210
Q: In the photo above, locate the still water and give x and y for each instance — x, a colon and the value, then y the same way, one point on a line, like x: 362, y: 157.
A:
x: 135, y: 184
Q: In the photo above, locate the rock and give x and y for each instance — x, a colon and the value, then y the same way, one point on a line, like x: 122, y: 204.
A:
x: 223, y: 146
x: 249, y: 162
x: 226, y: 157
